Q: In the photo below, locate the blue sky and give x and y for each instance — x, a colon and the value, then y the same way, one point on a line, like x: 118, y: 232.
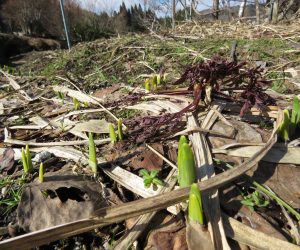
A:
x: 107, y: 5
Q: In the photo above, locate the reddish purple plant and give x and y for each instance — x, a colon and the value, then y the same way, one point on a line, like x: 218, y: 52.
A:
x: 218, y: 74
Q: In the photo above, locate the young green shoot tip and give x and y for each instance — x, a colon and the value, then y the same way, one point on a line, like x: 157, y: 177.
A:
x: 92, y: 154
x: 186, y: 164
x: 120, y: 131
x: 41, y: 173
x: 195, y: 210
x: 112, y: 133
x: 76, y: 104
x: 26, y: 160
x: 147, y: 85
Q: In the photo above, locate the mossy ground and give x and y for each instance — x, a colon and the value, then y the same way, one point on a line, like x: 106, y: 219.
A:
x: 129, y: 59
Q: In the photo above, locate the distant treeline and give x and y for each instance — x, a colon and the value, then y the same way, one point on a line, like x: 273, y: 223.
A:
x: 43, y: 18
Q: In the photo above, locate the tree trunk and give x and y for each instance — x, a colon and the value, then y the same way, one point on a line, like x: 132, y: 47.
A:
x: 242, y: 8
x: 185, y: 10
x: 293, y: 5
x: 216, y: 9
x: 173, y: 13
x: 257, y: 11
x: 275, y: 11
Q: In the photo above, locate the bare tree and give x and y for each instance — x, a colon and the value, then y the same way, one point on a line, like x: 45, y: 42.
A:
x: 173, y: 13
x: 242, y: 8
x: 275, y: 11
x: 216, y: 8
x: 257, y: 11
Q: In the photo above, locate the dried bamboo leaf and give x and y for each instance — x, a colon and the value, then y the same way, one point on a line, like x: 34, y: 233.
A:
x: 251, y: 237
x: 80, y: 96
x: 16, y: 86
x: 278, y: 154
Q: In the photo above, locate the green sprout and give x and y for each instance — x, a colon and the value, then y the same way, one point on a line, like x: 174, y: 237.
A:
x: 26, y: 160
x: 158, y: 79
x: 14, y: 188
x: 61, y: 96
x: 120, y: 131
x: 150, y: 178
x: 195, y: 211
x: 186, y: 164
x: 295, y: 120
x: 76, y: 103
x: 182, y: 140
x: 41, y: 173
x: 147, y: 85
x: 267, y: 192
x: 287, y: 128
x: 112, y: 133
x: 154, y: 82
x: 92, y: 154
x: 62, y: 125
x: 254, y: 199
x: 284, y: 127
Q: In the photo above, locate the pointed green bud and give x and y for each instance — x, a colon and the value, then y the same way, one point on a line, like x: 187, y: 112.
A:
x: 41, y: 173
x: 295, y: 110
x: 120, y: 131
x: 154, y: 82
x: 92, y: 153
x: 195, y: 205
x: 284, y: 127
x: 295, y: 116
x: 76, y: 103
x: 158, y: 79
x: 112, y: 133
x: 186, y: 166
x: 24, y: 161
x: 147, y: 85
x: 182, y: 140
x: 28, y: 158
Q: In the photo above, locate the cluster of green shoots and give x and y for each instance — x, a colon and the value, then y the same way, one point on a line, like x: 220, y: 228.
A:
x: 291, y: 121
x: 26, y: 160
x: 112, y: 133
x: 92, y: 147
x: 28, y: 166
x: 151, y: 83
x: 187, y: 177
